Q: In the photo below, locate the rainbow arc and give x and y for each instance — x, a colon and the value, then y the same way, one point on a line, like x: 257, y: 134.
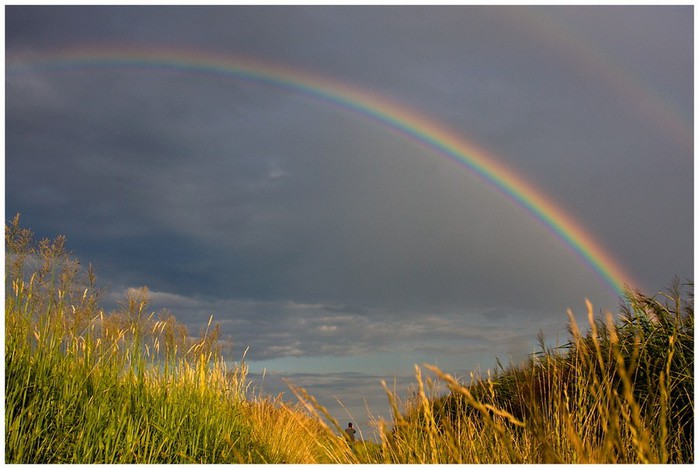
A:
x: 393, y: 116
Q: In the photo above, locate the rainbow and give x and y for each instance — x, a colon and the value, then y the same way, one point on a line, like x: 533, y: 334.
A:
x: 406, y: 121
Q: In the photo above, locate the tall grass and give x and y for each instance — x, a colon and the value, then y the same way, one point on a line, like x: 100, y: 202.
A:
x: 621, y: 393
x: 86, y: 386
x: 89, y: 398
x: 83, y: 386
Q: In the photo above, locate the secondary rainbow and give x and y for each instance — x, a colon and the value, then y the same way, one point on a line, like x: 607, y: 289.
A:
x: 596, y: 61
x: 409, y: 122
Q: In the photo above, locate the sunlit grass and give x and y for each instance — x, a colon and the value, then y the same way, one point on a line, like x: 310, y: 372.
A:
x: 86, y: 386
x: 622, y: 393
x: 88, y: 398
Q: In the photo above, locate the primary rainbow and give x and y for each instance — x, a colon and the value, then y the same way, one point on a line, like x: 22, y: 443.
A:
x: 408, y: 122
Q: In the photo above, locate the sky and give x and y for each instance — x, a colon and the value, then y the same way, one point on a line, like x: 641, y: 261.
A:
x: 334, y: 247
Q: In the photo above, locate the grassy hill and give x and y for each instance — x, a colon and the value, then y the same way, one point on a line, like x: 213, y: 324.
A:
x: 86, y: 386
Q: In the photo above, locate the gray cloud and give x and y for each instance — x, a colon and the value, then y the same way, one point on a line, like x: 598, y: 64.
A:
x: 271, y: 330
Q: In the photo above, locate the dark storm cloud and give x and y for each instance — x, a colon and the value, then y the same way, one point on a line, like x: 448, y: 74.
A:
x: 171, y: 190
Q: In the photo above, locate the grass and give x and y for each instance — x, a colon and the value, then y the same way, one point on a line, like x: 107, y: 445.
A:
x: 86, y: 386
x: 78, y: 398
x: 621, y: 393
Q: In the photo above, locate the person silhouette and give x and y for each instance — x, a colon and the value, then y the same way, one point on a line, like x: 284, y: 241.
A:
x: 350, y: 432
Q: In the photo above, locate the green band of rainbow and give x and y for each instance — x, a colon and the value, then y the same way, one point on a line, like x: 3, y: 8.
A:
x: 409, y: 122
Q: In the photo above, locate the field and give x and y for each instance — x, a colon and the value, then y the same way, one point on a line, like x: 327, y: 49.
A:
x: 86, y: 386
